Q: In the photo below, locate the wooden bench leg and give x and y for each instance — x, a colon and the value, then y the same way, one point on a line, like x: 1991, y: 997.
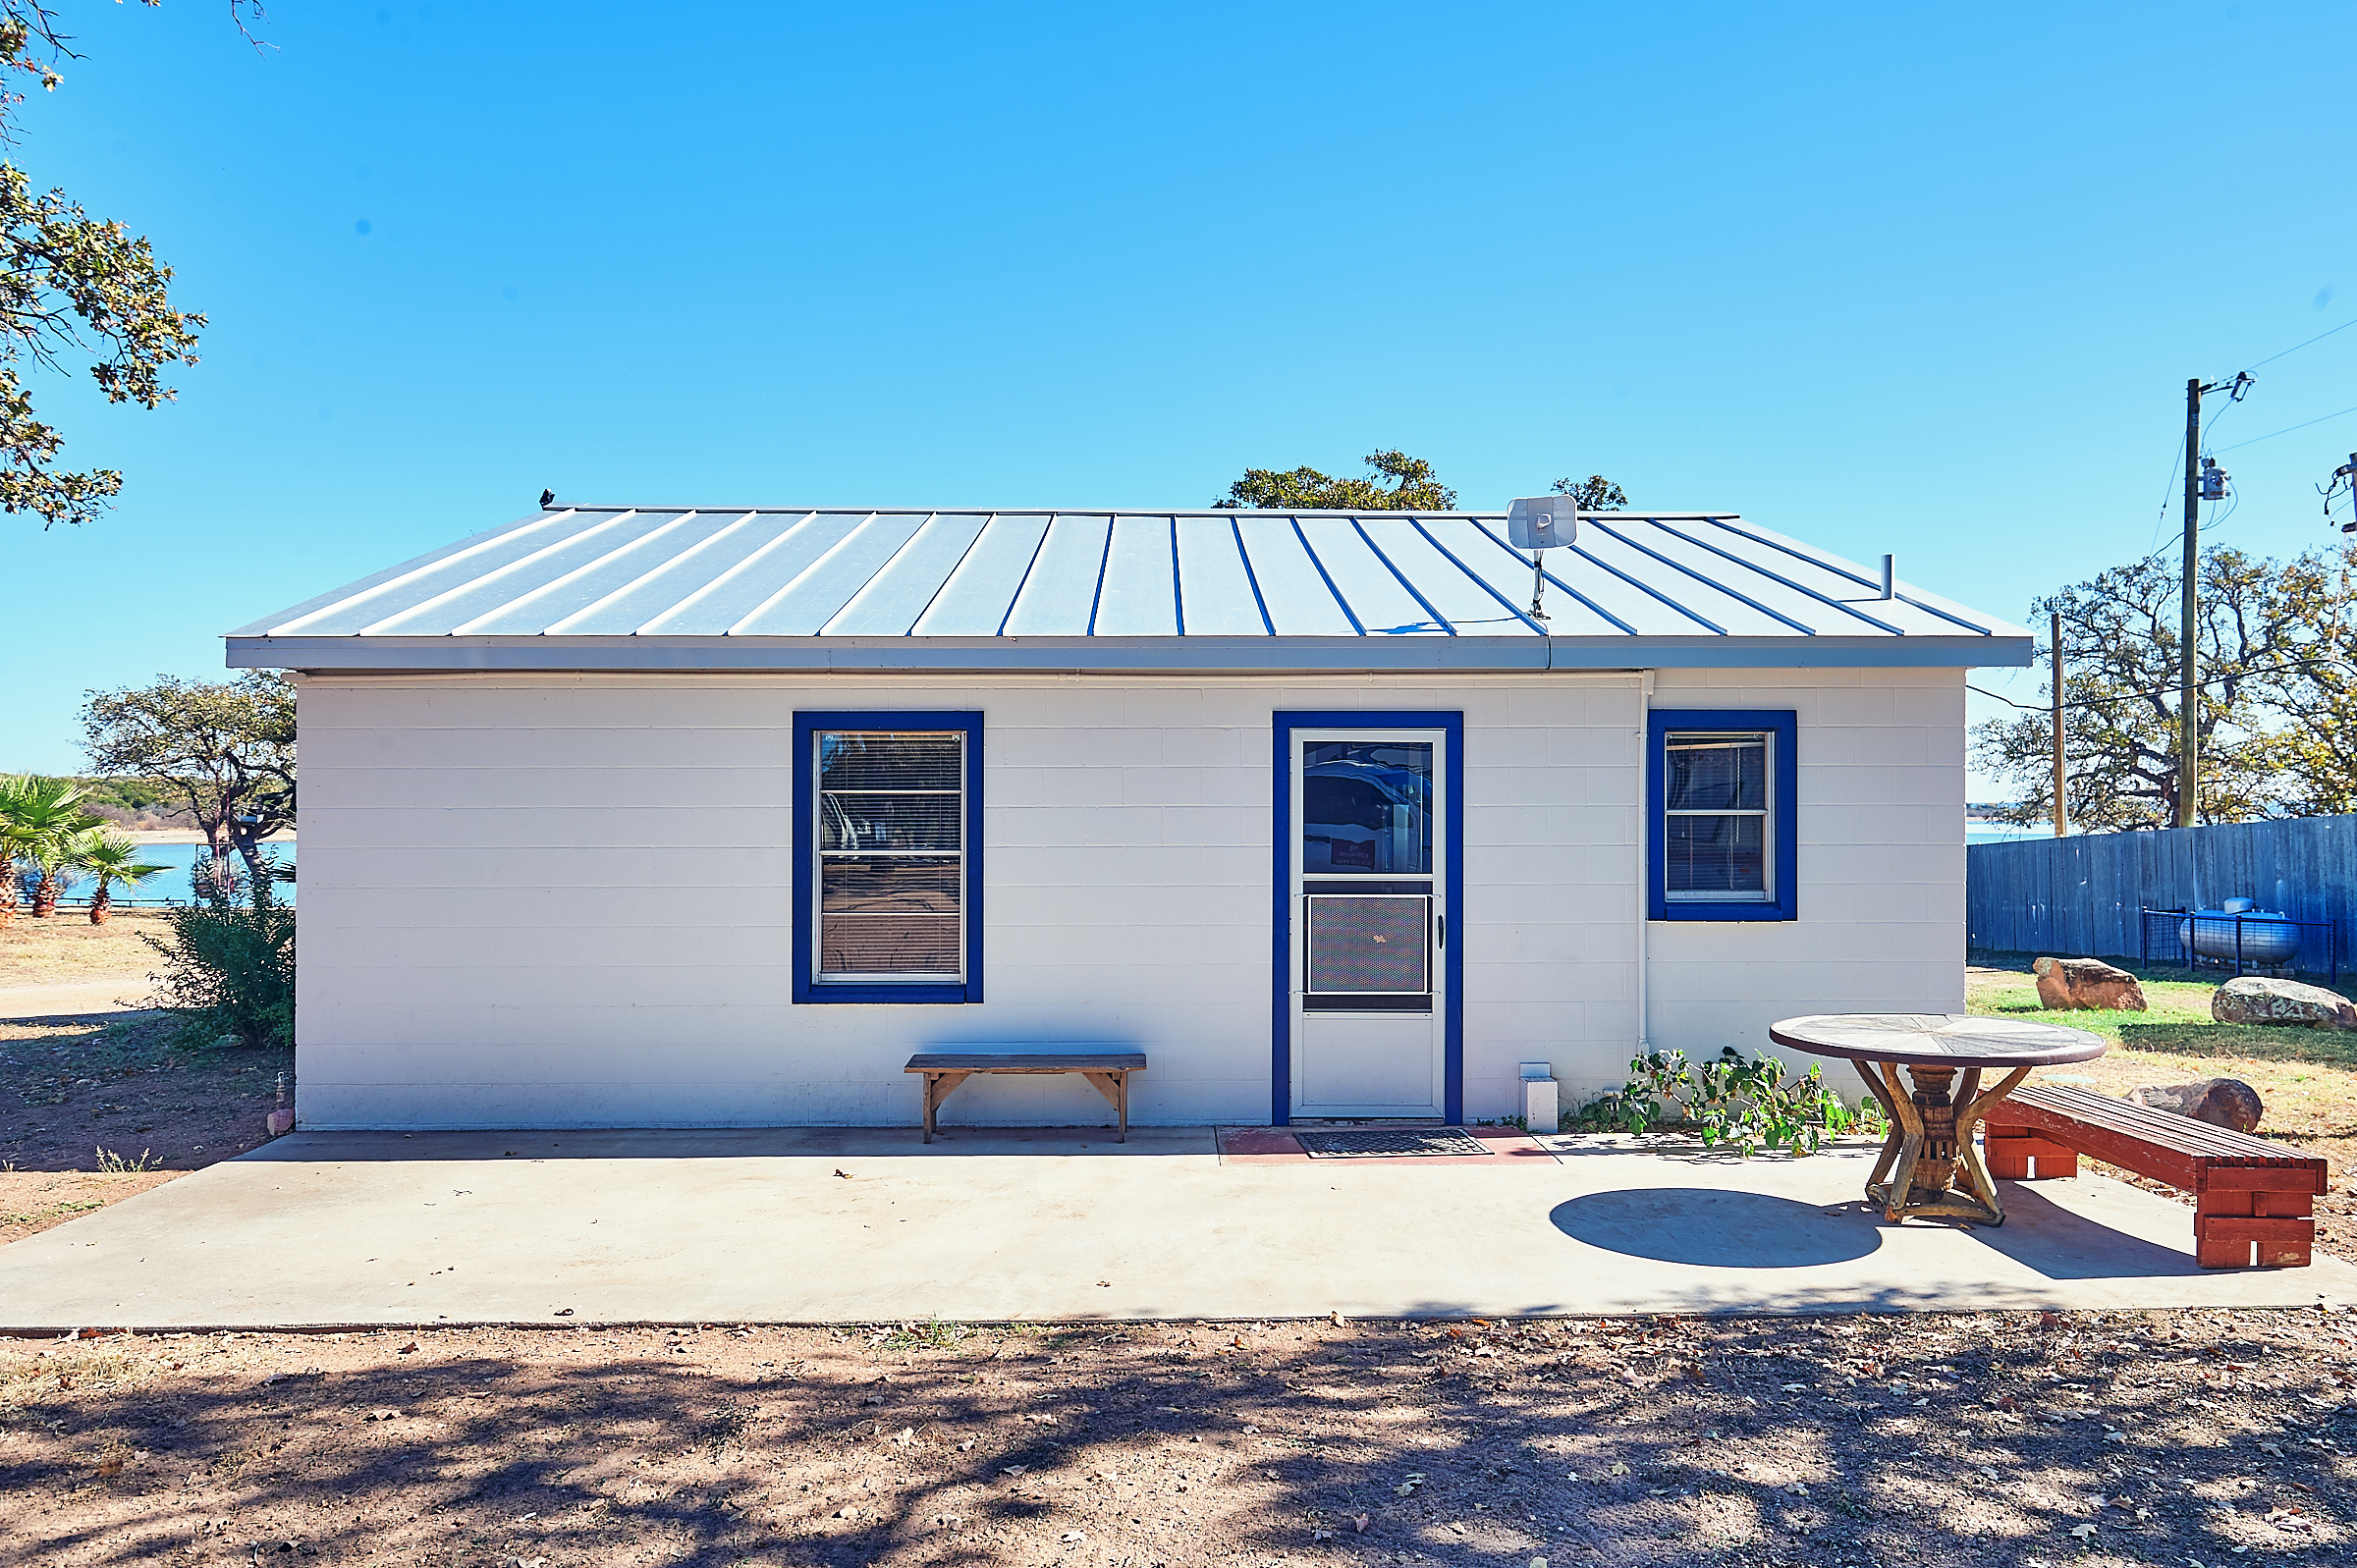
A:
x: 937, y: 1089
x: 2011, y: 1151
x: 2230, y: 1226
x: 1115, y: 1087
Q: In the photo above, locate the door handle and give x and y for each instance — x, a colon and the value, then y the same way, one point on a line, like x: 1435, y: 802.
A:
x: 1442, y: 921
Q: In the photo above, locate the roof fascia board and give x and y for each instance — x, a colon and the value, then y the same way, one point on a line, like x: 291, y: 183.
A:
x: 1208, y: 654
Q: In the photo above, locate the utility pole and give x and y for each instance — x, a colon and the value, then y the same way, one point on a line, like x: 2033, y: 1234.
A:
x: 2188, y: 765
x: 2199, y: 487
x: 2061, y: 810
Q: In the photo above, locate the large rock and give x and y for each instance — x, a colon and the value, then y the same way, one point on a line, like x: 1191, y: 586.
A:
x: 2255, y: 998
x: 2220, y: 1102
x: 2086, y: 983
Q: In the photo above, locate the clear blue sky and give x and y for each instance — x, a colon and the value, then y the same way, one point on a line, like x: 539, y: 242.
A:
x: 1888, y: 278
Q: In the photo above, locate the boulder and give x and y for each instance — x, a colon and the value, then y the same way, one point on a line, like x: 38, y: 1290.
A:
x: 2220, y: 1102
x: 2086, y: 983
x: 2255, y: 998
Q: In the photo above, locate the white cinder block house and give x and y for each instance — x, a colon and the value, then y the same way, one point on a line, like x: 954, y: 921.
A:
x: 647, y: 817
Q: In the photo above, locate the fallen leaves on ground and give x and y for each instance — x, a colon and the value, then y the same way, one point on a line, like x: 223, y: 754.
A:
x: 579, y: 1444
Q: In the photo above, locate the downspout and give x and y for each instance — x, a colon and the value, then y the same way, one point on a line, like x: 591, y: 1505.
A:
x: 1644, y: 871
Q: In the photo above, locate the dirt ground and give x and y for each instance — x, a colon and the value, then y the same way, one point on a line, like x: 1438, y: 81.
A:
x: 92, y: 1111
x: 2306, y: 1077
x: 2015, y: 1439
x: 67, y: 946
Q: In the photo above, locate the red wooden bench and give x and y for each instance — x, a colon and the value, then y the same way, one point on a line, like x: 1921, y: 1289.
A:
x: 2249, y: 1194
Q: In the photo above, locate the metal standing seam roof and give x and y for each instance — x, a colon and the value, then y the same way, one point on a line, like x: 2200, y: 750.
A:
x: 649, y: 588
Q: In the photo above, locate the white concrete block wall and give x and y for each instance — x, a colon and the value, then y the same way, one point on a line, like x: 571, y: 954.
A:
x: 566, y: 899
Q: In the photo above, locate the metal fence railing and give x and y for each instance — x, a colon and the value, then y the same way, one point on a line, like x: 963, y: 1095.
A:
x: 2198, y: 939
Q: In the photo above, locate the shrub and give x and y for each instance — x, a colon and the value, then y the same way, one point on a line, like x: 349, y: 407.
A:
x: 1732, y: 1102
x: 229, y: 960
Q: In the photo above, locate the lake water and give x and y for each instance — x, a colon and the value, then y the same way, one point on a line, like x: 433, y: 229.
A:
x: 2002, y: 833
x: 172, y: 881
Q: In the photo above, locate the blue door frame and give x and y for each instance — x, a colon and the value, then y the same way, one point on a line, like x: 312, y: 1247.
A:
x: 1452, y: 885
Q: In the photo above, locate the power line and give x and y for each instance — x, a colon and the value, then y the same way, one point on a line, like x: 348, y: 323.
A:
x: 2286, y: 431
x: 2158, y: 691
x: 2297, y: 347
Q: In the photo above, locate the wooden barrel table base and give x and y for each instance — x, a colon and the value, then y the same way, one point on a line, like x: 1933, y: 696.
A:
x: 1928, y: 1167
x: 1931, y: 1143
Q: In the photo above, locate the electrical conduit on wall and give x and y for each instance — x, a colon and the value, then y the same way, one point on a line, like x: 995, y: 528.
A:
x: 1644, y: 871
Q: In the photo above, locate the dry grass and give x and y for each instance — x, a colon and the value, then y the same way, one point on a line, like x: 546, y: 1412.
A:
x: 83, y: 1103
x: 68, y: 947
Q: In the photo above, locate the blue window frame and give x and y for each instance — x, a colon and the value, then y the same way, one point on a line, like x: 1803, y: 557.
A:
x: 1721, y: 829
x: 888, y: 857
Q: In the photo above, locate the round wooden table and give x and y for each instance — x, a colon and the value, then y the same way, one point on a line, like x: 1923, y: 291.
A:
x: 1930, y: 1141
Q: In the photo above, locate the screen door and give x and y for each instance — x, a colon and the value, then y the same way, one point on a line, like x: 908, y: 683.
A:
x: 1369, y: 921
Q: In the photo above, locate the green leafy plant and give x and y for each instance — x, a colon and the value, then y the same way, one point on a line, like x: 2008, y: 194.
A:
x: 1732, y: 1102
x: 229, y: 962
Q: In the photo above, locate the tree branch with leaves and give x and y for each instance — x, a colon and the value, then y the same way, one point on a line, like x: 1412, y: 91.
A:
x: 73, y: 291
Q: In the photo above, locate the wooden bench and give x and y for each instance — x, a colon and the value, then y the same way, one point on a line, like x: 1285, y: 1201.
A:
x: 1109, y: 1071
x: 2248, y: 1193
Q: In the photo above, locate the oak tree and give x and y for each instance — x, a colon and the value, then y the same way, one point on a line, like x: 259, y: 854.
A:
x: 74, y: 290
x: 2262, y: 635
x: 1414, y: 489
x: 226, y: 748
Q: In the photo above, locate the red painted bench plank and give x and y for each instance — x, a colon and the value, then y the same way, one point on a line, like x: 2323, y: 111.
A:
x: 2248, y: 1193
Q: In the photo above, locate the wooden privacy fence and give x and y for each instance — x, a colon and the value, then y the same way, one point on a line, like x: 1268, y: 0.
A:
x: 2079, y: 896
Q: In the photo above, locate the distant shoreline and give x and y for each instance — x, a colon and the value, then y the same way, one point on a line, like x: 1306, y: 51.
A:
x: 192, y: 836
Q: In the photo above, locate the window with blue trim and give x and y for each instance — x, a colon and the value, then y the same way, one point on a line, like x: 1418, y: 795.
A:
x: 1722, y: 834
x: 887, y: 861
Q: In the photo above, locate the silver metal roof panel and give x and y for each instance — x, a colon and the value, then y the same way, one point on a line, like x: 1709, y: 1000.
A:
x: 1139, y: 594
x: 615, y: 588
x: 975, y: 602
x: 1216, y: 592
x: 889, y: 605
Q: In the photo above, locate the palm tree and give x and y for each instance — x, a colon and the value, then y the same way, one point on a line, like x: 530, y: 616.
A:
x: 43, y: 819
x: 14, y: 842
x: 111, y: 857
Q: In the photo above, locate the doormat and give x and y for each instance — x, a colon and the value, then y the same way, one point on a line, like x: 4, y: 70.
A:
x: 1356, y: 1143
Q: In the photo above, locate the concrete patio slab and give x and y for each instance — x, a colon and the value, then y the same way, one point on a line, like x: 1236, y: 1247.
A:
x: 865, y: 1226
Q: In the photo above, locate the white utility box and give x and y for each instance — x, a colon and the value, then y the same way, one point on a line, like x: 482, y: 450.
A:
x: 1542, y: 1108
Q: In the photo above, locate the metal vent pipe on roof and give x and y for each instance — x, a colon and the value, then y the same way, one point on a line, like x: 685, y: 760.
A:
x: 1889, y: 577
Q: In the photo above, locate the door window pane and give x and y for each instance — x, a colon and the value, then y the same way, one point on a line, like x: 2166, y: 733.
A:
x: 1366, y: 808
x: 892, y: 869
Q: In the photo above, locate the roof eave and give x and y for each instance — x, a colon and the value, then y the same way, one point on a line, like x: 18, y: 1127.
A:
x: 1204, y: 654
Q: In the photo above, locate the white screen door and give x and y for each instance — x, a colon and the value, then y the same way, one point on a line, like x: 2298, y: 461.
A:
x: 1369, y: 920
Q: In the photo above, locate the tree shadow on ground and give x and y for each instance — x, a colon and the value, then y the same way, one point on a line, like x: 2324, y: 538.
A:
x: 1671, y: 1441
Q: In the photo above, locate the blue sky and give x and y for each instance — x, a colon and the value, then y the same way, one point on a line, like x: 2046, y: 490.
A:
x: 1921, y: 280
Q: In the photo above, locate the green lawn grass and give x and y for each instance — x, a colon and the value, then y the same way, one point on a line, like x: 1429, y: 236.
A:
x: 2176, y: 1021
